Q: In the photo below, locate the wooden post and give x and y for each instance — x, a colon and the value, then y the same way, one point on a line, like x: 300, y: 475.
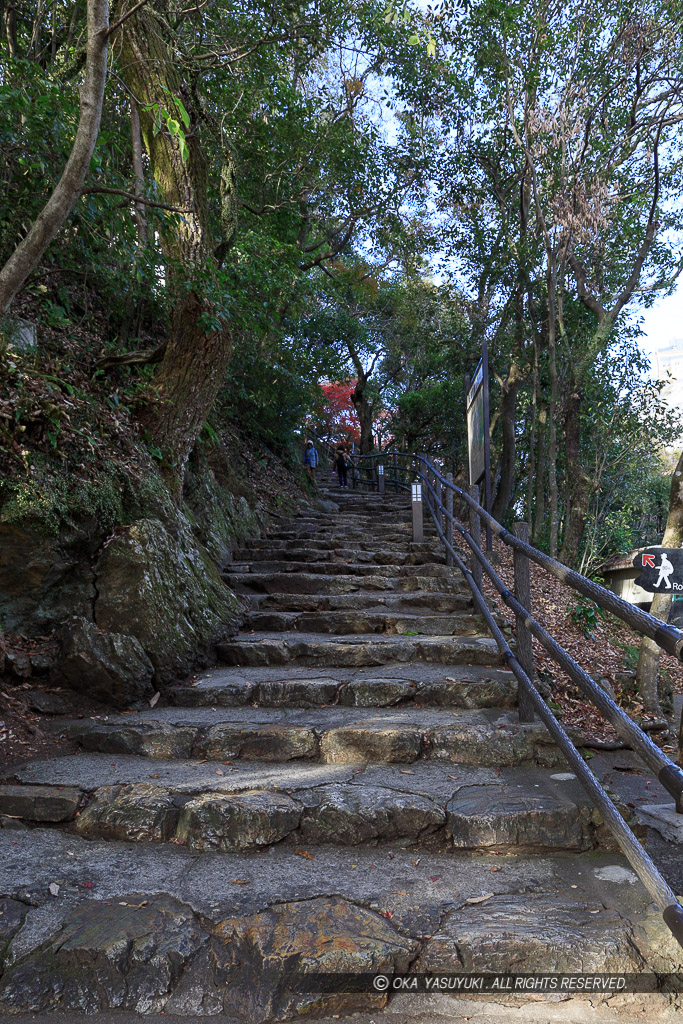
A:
x: 475, y: 530
x: 449, y: 522
x: 525, y: 655
x: 395, y: 473
x: 418, y: 523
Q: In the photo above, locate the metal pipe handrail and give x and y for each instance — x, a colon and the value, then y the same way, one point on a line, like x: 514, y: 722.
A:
x: 661, y: 892
x: 668, y: 637
x: 667, y: 772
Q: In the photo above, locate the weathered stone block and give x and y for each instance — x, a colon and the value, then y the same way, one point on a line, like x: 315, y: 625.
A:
x: 110, y: 667
x: 40, y: 803
x: 349, y: 815
x: 140, y: 812
x: 241, y: 821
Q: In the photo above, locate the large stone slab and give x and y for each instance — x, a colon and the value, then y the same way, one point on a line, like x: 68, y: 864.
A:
x: 244, y: 821
x: 524, y: 815
x: 535, y: 933
x: 351, y: 815
x: 311, y: 936
x: 164, y: 590
x: 277, y: 742
x: 357, y: 650
x: 40, y: 803
x: 352, y: 744
x: 108, y: 666
x: 137, y: 813
x: 107, y: 956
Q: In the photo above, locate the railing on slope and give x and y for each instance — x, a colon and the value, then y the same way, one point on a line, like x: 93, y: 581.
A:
x: 436, y: 486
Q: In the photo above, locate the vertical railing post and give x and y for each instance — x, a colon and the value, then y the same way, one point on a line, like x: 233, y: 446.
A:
x: 449, y: 522
x: 380, y: 478
x: 525, y: 654
x: 373, y: 473
x: 395, y: 473
x: 475, y: 531
x: 418, y: 521
x: 438, y: 500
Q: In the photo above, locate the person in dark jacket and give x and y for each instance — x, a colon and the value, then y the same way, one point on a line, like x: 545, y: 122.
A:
x: 341, y: 464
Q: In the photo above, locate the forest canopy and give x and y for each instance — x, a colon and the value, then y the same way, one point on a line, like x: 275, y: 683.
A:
x: 229, y: 214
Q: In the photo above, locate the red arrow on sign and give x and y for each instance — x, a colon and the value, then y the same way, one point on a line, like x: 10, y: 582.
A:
x: 649, y: 560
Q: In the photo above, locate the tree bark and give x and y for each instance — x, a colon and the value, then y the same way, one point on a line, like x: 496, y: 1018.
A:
x: 138, y: 171
x: 68, y: 189
x: 198, y: 352
x: 364, y: 411
x: 577, y: 488
x: 648, y: 659
x: 539, y: 504
x: 508, y: 459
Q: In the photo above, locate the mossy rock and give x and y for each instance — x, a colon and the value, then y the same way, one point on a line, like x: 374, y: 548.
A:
x: 164, y: 589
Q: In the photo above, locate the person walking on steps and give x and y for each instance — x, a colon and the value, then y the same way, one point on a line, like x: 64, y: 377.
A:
x: 311, y: 460
x: 342, y: 464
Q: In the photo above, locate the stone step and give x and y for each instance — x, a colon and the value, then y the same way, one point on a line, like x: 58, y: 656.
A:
x: 415, y: 603
x: 330, y: 735
x: 358, y: 650
x: 314, y: 540
x: 379, y: 556
x: 142, y: 928
x: 424, y: 685
x: 249, y: 806
x: 314, y: 583
x: 356, y: 622
x: 408, y: 563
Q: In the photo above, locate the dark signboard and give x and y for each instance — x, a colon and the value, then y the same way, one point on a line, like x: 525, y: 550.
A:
x: 661, y: 570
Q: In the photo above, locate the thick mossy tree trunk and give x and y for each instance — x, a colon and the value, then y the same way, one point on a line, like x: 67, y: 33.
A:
x: 364, y: 411
x: 648, y: 660
x: 198, y: 351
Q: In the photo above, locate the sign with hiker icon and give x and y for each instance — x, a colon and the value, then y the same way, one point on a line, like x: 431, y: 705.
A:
x: 661, y: 570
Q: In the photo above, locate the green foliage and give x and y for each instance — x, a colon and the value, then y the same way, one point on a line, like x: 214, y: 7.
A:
x: 585, y: 614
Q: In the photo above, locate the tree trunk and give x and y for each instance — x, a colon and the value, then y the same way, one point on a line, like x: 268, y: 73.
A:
x: 198, y: 352
x: 552, y: 445
x: 648, y: 660
x: 508, y: 458
x: 68, y: 189
x: 364, y: 411
x: 539, y: 504
x: 138, y: 172
x: 577, y: 486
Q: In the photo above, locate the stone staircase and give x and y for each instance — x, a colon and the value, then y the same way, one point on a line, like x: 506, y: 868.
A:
x: 351, y: 791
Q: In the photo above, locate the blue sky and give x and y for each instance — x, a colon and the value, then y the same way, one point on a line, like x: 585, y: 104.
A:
x: 663, y: 323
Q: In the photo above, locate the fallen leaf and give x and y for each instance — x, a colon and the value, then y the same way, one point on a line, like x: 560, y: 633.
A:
x: 157, y: 776
x: 53, y: 889
x: 404, y: 771
x: 496, y: 869
x: 219, y: 771
x: 240, y: 881
x: 305, y: 853
x: 480, y: 899
x: 155, y: 699
x: 397, y: 892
